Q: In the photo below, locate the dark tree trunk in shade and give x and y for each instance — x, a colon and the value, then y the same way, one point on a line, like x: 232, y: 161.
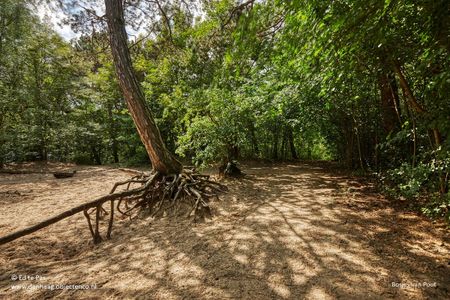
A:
x: 389, y: 102
x: 290, y: 136
x: 275, y: 144
x: 254, y: 141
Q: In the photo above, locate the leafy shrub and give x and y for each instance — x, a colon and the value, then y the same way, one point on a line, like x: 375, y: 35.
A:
x: 438, y: 207
x: 422, y: 182
x: 407, y: 181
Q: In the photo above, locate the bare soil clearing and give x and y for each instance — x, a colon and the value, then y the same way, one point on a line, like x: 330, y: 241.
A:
x: 285, y: 231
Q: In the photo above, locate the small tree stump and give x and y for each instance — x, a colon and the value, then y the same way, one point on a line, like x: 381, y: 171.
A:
x: 230, y: 169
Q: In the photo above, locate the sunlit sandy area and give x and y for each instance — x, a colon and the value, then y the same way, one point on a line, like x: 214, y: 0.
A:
x: 290, y: 231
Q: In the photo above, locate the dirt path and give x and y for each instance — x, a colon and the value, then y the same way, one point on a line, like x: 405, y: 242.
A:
x: 283, y: 232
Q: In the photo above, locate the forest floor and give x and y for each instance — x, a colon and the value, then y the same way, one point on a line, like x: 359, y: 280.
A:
x: 284, y: 231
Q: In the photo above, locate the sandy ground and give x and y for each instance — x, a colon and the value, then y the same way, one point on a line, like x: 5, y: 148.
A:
x: 290, y: 231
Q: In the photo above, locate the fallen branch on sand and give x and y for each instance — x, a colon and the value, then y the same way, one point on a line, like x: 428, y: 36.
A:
x: 187, y: 192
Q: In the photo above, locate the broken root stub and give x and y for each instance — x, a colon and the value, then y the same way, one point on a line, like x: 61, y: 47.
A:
x: 187, y: 193
x: 230, y: 169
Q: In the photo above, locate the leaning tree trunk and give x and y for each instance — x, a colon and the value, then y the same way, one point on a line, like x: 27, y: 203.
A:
x: 389, y: 102
x: 162, y: 160
x: 168, y: 188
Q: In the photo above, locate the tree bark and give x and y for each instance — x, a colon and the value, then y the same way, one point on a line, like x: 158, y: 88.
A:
x: 96, y: 154
x: 113, y: 133
x: 283, y: 144
x: 275, y: 146
x: 275, y: 143
x: 407, y: 90
x: 233, y: 152
x: 349, y: 138
x: 254, y: 141
x: 162, y: 160
x: 413, y: 101
x: 290, y: 136
x: 389, y: 103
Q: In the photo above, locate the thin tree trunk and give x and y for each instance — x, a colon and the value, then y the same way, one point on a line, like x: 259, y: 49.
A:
x: 413, y: 101
x: 349, y: 149
x: 113, y: 134
x: 414, y: 142
x: 96, y: 155
x: 161, y: 159
x: 115, y: 151
x: 407, y: 90
x: 233, y: 152
x: 389, y: 106
x: 377, y: 166
x: 283, y: 145
x: 394, y: 93
x: 358, y: 141
x: 290, y: 137
x: 418, y: 108
x: 254, y: 141
x: 275, y: 145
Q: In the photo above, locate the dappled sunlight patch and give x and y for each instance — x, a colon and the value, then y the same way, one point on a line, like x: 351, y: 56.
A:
x: 318, y: 293
x: 277, y: 283
x: 276, y: 240
x: 241, y: 258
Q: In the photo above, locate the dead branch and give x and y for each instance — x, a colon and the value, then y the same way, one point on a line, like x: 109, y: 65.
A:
x: 237, y: 10
x: 83, y: 207
x: 157, y: 194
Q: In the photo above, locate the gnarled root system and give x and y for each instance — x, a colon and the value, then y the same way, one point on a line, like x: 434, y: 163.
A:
x: 187, y: 193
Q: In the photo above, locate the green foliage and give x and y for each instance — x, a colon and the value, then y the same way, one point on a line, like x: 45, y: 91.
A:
x: 364, y: 83
x: 407, y: 181
x: 419, y: 184
x: 438, y: 207
x: 215, y: 129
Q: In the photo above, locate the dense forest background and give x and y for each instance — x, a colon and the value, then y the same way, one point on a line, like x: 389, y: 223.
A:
x: 364, y: 83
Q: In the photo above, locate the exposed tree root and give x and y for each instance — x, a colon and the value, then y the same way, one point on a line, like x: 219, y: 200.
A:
x: 187, y: 193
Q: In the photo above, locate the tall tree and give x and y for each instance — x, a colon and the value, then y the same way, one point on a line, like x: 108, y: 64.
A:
x: 162, y: 160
